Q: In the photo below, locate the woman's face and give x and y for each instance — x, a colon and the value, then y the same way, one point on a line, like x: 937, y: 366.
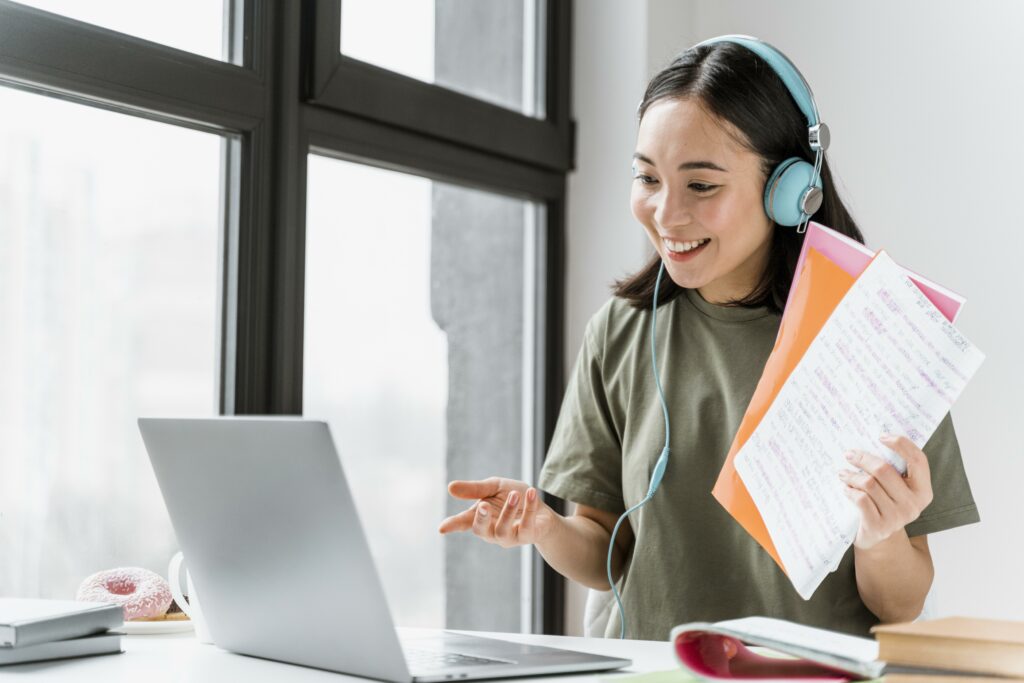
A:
x: 694, y: 183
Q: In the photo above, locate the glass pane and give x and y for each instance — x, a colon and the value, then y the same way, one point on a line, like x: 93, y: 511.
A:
x: 108, y: 288
x: 191, y: 25
x: 488, y: 49
x: 414, y: 353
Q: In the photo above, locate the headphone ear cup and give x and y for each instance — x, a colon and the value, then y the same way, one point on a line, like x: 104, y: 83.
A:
x: 785, y: 189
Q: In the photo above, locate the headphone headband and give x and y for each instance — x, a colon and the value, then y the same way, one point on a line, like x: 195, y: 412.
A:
x: 794, y: 81
x: 787, y: 71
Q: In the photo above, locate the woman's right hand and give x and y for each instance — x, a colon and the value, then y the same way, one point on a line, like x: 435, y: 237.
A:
x: 507, y: 512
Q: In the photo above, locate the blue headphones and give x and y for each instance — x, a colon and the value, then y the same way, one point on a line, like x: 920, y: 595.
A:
x: 793, y: 191
x: 791, y: 195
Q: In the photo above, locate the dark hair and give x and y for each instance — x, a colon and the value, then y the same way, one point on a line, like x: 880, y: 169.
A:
x: 737, y: 86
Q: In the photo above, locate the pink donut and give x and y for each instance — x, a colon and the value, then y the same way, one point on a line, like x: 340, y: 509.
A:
x: 139, y: 591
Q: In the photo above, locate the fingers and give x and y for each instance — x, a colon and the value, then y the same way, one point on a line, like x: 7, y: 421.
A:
x: 863, y: 482
x: 878, y: 478
x: 505, y: 529
x: 528, y: 524
x: 482, y: 488
x: 918, y: 477
x: 886, y: 500
x: 499, y: 512
x: 460, y: 522
x: 869, y: 514
x: 483, y: 521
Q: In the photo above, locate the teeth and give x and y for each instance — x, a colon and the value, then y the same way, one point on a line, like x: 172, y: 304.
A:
x: 683, y: 247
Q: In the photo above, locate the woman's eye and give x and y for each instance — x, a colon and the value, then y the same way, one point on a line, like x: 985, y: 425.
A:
x: 645, y: 179
x: 702, y: 187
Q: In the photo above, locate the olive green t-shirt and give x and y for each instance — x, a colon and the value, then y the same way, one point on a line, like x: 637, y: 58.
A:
x: 691, y: 560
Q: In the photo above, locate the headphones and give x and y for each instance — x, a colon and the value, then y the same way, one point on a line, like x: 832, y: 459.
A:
x: 793, y: 191
x: 792, y: 194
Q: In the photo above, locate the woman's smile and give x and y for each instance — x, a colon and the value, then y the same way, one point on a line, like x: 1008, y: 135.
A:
x: 684, y: 251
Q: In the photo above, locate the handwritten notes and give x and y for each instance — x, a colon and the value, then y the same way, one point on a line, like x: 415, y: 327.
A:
x: 886, y: 361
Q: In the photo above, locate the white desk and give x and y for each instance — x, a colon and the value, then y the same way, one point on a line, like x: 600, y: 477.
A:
x: 179, y: 657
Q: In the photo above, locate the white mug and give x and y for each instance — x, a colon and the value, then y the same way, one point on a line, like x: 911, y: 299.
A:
x: 190, y: 606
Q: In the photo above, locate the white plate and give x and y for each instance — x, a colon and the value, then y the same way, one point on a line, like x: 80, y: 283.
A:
x: 142, y: 628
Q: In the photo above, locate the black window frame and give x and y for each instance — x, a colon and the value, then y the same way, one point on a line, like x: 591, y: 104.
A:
x: 342, y: 83
x: 293, y: 93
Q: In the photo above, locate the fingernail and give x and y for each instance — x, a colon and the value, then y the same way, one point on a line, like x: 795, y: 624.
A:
x: 887, y: 437
x: 482, y: 510
x: 531, y: 495
x: 851, y: 456
x: 843, y: 475
x: 513, y: 498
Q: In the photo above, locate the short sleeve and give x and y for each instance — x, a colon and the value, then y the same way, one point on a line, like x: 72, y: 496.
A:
x: 952, y: 502
x: 584, y: 461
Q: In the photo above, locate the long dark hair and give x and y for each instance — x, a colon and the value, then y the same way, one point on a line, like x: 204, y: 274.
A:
x: 737, y: 86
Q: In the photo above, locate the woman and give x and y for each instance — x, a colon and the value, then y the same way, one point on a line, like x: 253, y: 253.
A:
x: 713, y: 125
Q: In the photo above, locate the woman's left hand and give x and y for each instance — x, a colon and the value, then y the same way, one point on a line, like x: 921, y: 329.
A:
x: 886, y: 500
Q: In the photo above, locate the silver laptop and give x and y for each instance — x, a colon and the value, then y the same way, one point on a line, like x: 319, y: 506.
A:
x: 265, y: 518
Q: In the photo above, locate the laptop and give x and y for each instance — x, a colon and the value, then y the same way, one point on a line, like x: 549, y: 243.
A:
x: 264, y: 515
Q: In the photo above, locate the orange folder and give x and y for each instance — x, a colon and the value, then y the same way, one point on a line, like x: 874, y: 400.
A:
x: 820, y: 287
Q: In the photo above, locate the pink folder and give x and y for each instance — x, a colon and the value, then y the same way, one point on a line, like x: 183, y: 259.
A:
x: 853, y: 257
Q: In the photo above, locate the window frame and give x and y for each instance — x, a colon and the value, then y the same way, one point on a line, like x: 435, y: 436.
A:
x: 342, y: 83
x: 287, y: 97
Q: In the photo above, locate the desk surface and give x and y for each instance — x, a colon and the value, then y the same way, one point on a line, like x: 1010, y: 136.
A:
x: 180, y: 657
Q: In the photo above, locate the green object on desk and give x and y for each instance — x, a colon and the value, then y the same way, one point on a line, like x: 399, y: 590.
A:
x: 672, y: 676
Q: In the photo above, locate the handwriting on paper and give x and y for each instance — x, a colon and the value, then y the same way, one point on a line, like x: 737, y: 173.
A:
x: 887, y: 361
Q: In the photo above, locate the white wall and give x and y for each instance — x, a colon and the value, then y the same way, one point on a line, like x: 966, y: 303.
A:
x: 923, y: 101
x: 610, y: 69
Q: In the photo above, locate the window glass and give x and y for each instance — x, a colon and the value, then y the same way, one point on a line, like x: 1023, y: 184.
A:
x: 415, y: 301
x: 108, y: 312
x: 488, y: 49
x: 191, y: 25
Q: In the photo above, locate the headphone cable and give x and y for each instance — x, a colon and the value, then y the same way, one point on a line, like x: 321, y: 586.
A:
x: 659, y: 467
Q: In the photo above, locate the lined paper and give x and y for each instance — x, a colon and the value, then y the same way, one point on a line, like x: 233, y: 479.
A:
x: 887, y: 361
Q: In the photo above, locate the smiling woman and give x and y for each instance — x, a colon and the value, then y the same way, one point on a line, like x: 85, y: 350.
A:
x: 705, y: 221
x: 703, y: 158
x: 713, y: 126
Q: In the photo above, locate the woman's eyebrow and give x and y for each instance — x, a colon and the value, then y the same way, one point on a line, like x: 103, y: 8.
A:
x: 687, y: 166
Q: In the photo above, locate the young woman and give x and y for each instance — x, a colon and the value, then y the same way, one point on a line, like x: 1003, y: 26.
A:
x: 713, y: 125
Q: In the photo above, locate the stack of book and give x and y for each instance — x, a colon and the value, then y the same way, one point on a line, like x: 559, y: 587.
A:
x: 968, y: 648
x: 34, y: 630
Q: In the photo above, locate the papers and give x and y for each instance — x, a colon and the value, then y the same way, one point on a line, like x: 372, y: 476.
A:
x: 886, y: 361
x: 852, y: 360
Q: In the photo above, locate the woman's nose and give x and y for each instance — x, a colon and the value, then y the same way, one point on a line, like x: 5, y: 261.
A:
x: 672, y: 210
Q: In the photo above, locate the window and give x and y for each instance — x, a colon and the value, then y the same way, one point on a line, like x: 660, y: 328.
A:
x: 417, y: 309
x: 193, y: 25
x: 108, y: 296
x: 157, y: 260
x: 488, y: 49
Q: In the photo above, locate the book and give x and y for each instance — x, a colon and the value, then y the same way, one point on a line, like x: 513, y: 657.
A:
x: 28, y: 621
x: 718, y: 650
x: 99, y: 644
x: 978, y: 646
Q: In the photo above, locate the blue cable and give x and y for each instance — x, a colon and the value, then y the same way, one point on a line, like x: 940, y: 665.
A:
x: 659, y: 467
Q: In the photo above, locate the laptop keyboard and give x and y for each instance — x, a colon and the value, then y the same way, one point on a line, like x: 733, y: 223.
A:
x: 425, y: 660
